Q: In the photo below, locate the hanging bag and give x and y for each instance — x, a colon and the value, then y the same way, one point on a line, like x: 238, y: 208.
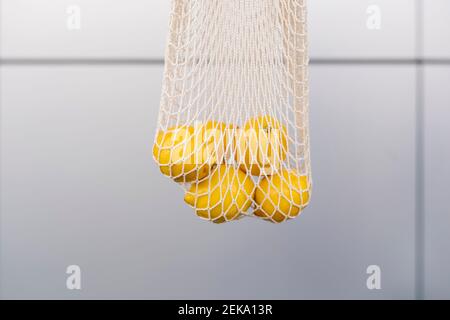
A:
x: 233, y: 120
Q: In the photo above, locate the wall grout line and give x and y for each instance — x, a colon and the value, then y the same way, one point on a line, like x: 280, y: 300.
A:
x: 138, y: 61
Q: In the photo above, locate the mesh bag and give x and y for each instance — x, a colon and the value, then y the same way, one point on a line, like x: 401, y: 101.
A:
x: 233, y: 120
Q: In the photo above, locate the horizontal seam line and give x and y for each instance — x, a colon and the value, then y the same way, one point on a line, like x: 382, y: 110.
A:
x: 137, y: 61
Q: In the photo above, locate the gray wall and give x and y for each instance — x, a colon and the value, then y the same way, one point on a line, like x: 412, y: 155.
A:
x: 79, y: 186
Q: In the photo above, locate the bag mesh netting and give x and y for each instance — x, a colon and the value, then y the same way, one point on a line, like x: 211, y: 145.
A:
x: 233, y: 120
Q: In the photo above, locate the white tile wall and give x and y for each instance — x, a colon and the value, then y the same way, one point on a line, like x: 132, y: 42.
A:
x: 109, y: 28
x: 338, y: 29
x: 362, y: 129
x: 79, y: 186
x: 437, y: 178
x: 437, y: 28
x: 77, y: 179
x: 137, y: 29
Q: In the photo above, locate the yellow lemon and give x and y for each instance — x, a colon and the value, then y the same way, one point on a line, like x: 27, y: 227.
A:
x: 212, y: 140
x: 261, y: 146
x: 222, y: 196
x: 188, y: 153
x: 282, y: 196
x: 174, y: 152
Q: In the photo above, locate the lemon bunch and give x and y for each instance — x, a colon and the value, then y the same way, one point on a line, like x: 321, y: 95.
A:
x: 221, y: 192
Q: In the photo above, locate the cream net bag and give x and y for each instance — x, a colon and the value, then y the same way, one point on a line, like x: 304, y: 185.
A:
x: 233, y: 120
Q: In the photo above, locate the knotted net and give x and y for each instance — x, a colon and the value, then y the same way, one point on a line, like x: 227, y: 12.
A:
x: 233, y: 120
